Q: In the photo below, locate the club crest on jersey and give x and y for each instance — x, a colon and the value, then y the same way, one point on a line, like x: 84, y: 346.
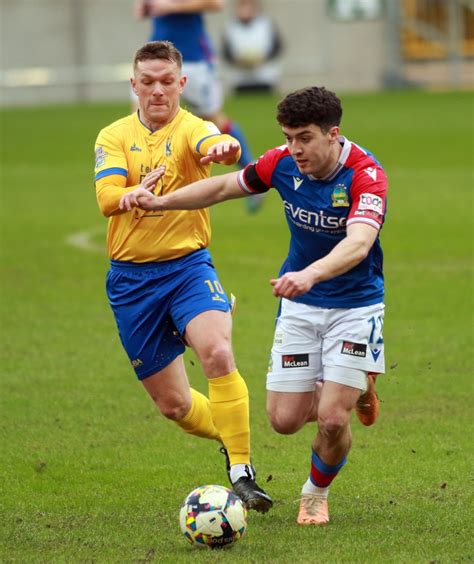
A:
x: 339, y: 196
x: 168, y: 147
x: 100, y: 156
x: 134, y: 147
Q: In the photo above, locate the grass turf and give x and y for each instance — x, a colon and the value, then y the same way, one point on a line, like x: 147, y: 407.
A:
x: 90, y: 472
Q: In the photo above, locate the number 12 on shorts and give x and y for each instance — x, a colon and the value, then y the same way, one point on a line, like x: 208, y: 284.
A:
x: 376, y: 334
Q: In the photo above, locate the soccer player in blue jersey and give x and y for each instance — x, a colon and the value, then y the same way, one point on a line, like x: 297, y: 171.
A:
x: 328, y: 345
x: 182, y: 23
x: 162, y: 285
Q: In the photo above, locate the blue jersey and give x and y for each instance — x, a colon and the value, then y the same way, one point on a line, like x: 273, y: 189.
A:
x: 317, y: 212
x: 188, y: 34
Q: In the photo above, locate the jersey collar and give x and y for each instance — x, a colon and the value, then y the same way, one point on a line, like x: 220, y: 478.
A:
x: 179, y: 113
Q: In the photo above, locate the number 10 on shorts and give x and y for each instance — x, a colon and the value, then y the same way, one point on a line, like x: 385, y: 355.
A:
x: 214, y: 286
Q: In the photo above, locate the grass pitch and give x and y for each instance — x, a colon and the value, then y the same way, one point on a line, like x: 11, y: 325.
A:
x: 90, y: 472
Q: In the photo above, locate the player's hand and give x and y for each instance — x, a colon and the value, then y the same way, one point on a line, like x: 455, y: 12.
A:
x: 150, y: 180
x: 292, y: 284
x: 143, y: 197
x: 138, y: 198
x: 220, y: 152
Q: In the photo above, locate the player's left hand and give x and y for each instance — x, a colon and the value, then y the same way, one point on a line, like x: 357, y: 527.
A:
x: 292, y: 284
x: 220, y: 152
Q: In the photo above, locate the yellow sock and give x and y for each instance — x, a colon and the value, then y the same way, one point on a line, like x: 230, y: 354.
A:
x: 198, y: 421
x: 229, y: 398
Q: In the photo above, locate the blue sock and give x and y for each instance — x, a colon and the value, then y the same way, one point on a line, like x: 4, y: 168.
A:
x: 246, y: 156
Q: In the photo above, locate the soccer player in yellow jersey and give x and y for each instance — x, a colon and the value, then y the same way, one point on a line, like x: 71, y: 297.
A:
x: 162, y: 285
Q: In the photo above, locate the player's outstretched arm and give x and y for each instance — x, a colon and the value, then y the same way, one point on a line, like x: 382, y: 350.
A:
x: 201, y: 194
x: 345, y: 255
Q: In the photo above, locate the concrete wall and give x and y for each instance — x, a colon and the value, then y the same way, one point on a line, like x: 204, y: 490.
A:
x: 87, y: 46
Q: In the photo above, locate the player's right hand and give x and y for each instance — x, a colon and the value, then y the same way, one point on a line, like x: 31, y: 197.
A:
x: 293, y: 284
x: 150, y: 180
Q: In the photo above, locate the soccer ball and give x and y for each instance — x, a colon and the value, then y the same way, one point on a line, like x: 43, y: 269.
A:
x: 212, y: 516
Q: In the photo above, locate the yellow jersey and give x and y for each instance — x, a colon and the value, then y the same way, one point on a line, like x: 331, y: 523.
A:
x: 125, y: 152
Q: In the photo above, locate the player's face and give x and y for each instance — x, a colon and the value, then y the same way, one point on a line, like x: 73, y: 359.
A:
x: 158, y: 84
x: 314, y: 151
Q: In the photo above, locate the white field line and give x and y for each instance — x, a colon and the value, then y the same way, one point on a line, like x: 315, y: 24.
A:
x: 84, y: 240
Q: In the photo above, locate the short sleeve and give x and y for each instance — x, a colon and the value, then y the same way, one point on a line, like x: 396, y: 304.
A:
x: 368, y: 193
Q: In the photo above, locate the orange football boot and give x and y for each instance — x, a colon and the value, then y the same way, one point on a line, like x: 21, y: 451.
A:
x: 313, y: 510
x: 367, y: 406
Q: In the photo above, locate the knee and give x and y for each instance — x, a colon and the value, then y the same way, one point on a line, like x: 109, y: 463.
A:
x: 218, y: 359
x: 283, y: 423
x: 173, y: 408
x: 174, y: 411
x: 332, y: 424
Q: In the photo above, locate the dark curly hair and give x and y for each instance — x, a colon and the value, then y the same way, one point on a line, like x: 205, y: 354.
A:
x: 309, y: 105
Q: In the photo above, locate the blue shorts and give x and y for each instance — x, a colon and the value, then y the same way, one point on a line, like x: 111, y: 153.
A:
x: 153, y: 303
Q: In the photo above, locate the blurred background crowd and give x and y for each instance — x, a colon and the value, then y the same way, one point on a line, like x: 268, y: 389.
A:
x: 81, y: 50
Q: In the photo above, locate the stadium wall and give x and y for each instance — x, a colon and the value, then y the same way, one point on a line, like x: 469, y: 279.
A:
x: 72, y: 50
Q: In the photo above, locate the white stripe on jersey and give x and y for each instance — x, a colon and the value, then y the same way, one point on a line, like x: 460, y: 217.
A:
x: 371, y: 222
x: 243, y: 185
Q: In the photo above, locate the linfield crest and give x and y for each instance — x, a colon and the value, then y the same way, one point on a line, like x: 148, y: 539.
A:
x: 339, y: 196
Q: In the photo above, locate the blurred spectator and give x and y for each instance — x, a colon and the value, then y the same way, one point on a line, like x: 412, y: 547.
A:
x: 251, y: 44
x: 348, y: 10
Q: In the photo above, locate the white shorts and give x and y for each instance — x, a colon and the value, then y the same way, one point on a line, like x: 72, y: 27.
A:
x: 316, y: 344
x: 203, y: 93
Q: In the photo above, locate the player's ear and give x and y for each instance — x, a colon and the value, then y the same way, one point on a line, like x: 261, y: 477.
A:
x: 182, y: 83
x: 334, y: 133
x: 133, y: 83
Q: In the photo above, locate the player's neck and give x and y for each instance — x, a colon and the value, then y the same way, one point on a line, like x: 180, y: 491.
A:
x: 331, y: 162
x: 154, y: 125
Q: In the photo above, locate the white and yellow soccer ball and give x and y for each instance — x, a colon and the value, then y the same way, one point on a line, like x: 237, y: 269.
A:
x: 212, y: 516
